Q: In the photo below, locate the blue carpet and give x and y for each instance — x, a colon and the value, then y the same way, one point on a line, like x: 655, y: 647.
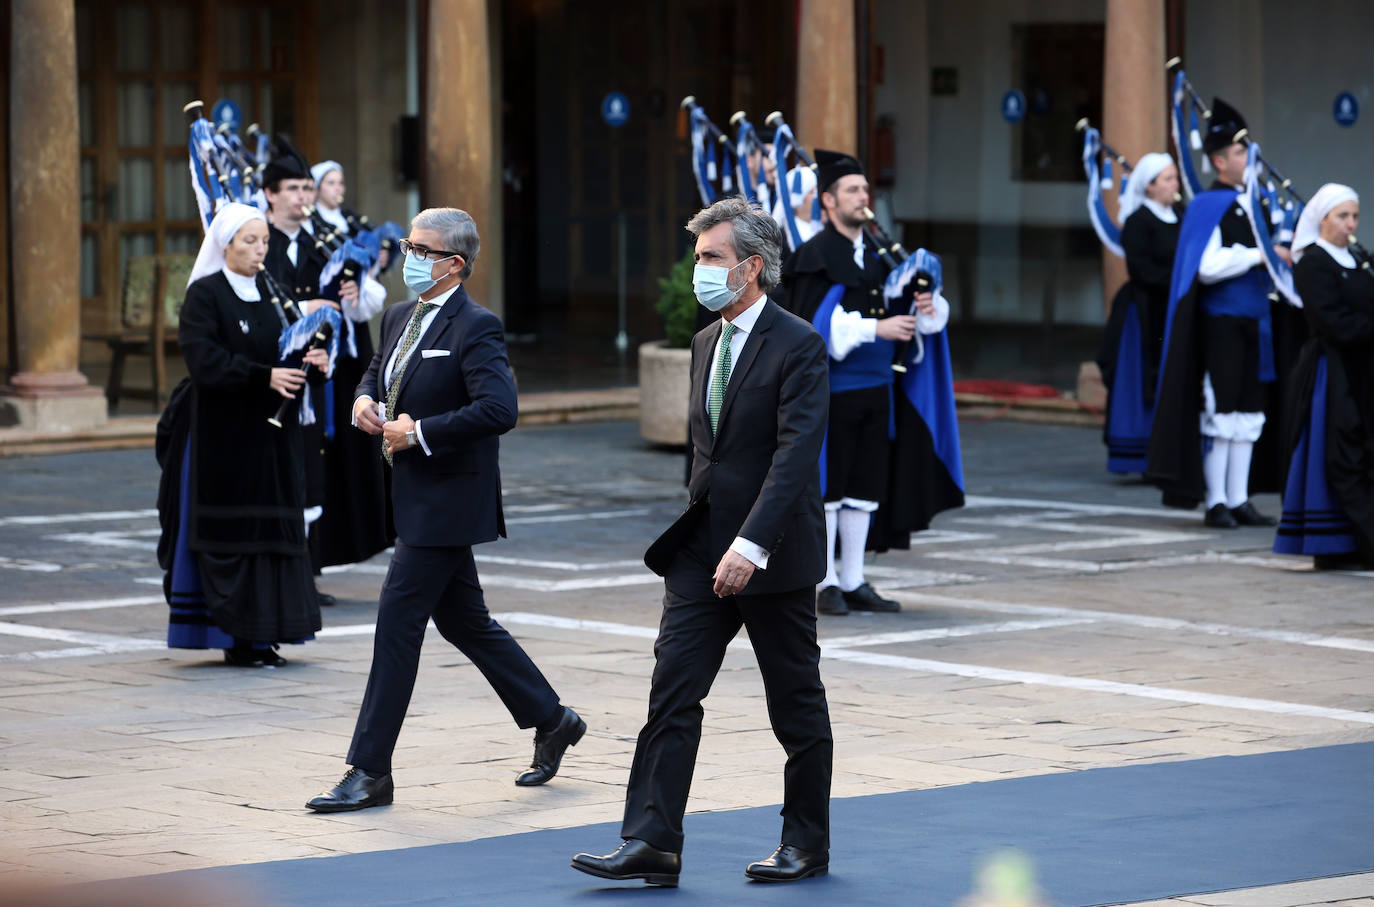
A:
x: 1101, y: 836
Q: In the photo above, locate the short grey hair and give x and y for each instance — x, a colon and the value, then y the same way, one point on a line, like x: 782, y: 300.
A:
x: 458, y: 231
x: 754, y: 233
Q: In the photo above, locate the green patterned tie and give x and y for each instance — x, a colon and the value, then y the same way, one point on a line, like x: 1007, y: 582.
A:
x: 412, y: 336
x: 722, y: 377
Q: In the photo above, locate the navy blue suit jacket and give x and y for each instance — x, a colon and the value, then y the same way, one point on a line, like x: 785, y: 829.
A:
x: 465, y: 394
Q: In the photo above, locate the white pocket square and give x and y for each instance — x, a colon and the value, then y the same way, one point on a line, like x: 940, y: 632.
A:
x: 432, y: 354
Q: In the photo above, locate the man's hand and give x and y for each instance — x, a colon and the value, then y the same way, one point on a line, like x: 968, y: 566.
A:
x: 368, y: 417
x: 348, y: 291
x: 394, y: 433
x: 732, y: 573
x: 925, y: 303
x: 898, y: 327
x: 1285, y: 253
x: 317, y: 358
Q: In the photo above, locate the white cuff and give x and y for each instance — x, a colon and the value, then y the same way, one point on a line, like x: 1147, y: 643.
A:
x: 848, y: 330
x: 935, y: 322
x: 420, y: 436
x: 750, y: 552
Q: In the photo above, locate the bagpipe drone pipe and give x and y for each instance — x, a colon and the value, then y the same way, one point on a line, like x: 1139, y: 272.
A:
x: 747, y: 142
x: 785, y: 143
x: 712, y: 156
x: 1098, y: 158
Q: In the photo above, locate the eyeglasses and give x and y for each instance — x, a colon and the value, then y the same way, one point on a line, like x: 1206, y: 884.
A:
x: 409, y: 248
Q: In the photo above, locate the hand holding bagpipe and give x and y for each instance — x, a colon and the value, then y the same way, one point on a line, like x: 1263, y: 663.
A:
x: 286, y: 381
x: 922, y: 288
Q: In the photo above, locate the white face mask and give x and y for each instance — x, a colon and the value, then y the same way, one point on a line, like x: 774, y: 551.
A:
x: 711, y: 284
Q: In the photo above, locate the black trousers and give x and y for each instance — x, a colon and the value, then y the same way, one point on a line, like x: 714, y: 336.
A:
x: 441, y: 583
x: 857, y: 444
x: 693, y: 634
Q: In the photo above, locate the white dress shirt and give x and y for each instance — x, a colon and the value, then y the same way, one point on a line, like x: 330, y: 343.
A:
x: 391, y: 363
x: 744, y: 323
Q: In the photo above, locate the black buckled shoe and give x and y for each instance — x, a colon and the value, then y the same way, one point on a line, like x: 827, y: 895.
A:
x: 865, y: 598
x: 549, y: 749
x: 357, y: 789
x: 790, y: 864
x: 1247, y: 515
x: 1219, y: 517
x: 830, y: 600
x: 633, y: 859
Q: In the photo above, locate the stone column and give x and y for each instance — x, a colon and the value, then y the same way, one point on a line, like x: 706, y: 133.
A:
x: 47, y: 393
x: 1134, y: 112
x: 462, y: 132
x: 827, y: 103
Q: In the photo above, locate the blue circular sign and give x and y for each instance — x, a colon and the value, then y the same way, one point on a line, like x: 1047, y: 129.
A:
x: 1346, y: 109
x: 1013, y: 106
x: 615, y: 109
x: 226, y: 111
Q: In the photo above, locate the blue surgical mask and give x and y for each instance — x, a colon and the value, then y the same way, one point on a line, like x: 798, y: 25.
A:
x: 416, y: 273
x: 711, y: 284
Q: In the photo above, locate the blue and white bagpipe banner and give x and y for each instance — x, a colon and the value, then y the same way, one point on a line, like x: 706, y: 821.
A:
x: 1099, y: 177
x: 298, y: 336
x: 209, y: 190
x: 746, y: 140
x: 1183, y: 119
x: 703, y: 155
x: 784, y: 142
x: 351, y: 261
x: 1258, y: 191
x: 389, y: 235
x: 898, y: 287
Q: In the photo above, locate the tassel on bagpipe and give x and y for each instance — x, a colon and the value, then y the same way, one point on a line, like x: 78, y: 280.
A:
x: 784, y: 142
x: 747, y: 142
x: 1097, y: 153
x: 706, y: 138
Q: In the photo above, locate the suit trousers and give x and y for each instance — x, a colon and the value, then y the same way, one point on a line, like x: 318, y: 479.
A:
x: 441, y: 583
x: 694, y: 631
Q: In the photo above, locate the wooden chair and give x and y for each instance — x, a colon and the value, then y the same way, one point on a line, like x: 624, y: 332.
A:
x: 154, y: 287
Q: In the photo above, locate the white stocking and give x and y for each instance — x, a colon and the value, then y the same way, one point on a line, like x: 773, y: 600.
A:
x: 853, y: 538
x: 1238, y: 473
x: 1214, y: 470
x: 831, y: 524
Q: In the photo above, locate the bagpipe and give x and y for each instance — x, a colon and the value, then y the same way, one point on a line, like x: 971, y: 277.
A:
x: 910, y: 274
x: 1186, y: 107
x: 784, y: 142
x: 1098, y: 158
x: 747, y: 142
x: 318, y: 330
x: 221, y: 169
x: 708, y: 165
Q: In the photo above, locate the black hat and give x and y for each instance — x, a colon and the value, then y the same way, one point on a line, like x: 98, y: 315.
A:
x: 1222, y: 128
x: 831, y: 165
x: 287, y: 163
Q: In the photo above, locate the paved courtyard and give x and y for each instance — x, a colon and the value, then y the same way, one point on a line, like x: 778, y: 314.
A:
x: 1062, y: 621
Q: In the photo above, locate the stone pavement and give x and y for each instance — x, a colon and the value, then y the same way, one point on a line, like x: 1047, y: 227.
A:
x: 1061, y: 621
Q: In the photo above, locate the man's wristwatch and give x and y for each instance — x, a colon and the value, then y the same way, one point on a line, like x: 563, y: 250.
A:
x: 410, y: 438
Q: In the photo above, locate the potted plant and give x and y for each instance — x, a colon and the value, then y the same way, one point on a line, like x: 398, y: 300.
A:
x: 665, y: 365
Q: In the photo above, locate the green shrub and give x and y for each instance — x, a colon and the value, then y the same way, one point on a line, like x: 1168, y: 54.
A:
x: 678, y: 304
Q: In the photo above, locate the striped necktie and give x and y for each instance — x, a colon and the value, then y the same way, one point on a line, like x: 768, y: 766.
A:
x: 412, y: 336
x: 721, y: 377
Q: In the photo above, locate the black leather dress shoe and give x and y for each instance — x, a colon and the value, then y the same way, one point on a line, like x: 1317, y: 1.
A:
x: 864, y: 598
x: 326, y: 600
x: 633, y: 859
x: 549, y: 748
x: 1219, y: 517
x: 357, y: 790
x: 1247, y: 515
x: 830, y: 600
x: 790, y: 864
x: 245, y: 656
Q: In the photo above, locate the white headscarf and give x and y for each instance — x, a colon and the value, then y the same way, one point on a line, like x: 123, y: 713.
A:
x: 800, y: 180
x: 1146, y: 169
x: 318, y: 171
x: 226, y: 225
x: 1309, y: 228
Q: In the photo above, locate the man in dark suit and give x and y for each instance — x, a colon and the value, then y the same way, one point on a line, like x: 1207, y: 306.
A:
x: 448, y: 393
x: 748, y: 551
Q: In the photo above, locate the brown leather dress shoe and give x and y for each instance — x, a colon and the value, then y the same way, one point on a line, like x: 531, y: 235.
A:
x: 633, y: 859
x: 790, y: 864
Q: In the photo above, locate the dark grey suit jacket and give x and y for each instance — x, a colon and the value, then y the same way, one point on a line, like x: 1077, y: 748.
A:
x: 759, y: 476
